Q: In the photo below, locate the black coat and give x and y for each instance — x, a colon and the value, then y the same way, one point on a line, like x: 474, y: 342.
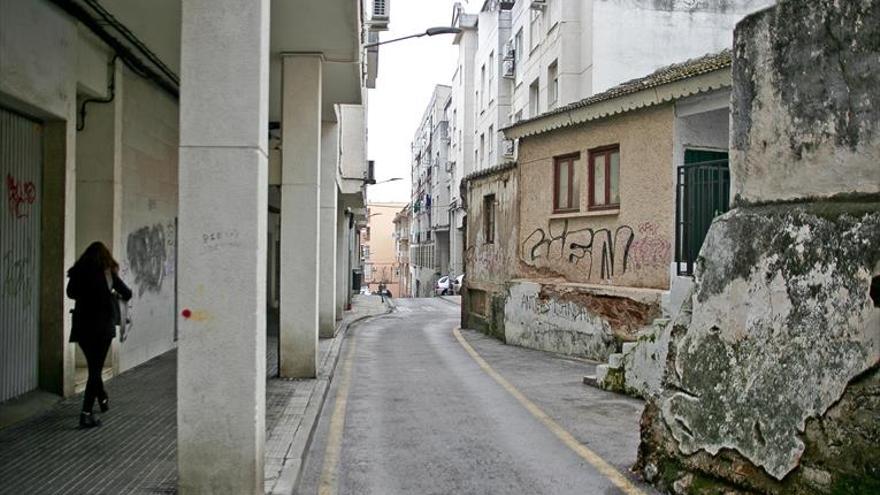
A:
x: 97, y: 308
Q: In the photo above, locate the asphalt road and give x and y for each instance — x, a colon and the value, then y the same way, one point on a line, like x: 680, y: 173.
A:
x: 413, y: 408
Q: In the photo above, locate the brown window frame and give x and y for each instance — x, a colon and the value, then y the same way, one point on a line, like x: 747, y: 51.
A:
x: 569, y: 160
x: 489, y: 219
x: 591, y: 200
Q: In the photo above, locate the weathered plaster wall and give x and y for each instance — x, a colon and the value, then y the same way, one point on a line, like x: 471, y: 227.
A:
x: 490, y: 266
x: 584, y: 321
x: 806, y: 97
x: 492, y: 263
x: 770, y: 378
x: 632, y: 246
x: 781, y: 323
x: 149, y: 208
x: 539, y: 322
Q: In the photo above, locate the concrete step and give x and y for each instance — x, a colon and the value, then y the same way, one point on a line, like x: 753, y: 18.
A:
x: 591, y: 381
x: 629, y: 347
x: 601, y: 373
x: 615, y: 361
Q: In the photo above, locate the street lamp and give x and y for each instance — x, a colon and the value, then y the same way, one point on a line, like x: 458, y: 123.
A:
x: 434, y: 31
x: 384, y: 181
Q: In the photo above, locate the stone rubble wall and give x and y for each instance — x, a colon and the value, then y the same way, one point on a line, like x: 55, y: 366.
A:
x: 770, y: 383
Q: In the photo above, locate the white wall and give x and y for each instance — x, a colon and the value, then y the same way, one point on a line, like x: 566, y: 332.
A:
x: 149, y: 207
x: 38, y: 58
x: 352, y: 147
x: 632, y: 38
x: 600, y: 43
x: 492, y: 106
x: 461, y: 113
x: 560, y: 40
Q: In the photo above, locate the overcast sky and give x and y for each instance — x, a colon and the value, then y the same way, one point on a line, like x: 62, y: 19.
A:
x: 408, y: 72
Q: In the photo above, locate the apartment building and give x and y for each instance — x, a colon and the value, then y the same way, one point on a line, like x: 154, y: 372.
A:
x: 378, y: 245
x: 429, y: 248
x: 461, y: 132
x: 401, y: 250
x: 562, y: 51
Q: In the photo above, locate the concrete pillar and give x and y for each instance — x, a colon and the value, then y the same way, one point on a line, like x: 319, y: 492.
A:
x: 327, y: 261
x: 221, y: 377
x: 341, y: 251
x: 300, y: 198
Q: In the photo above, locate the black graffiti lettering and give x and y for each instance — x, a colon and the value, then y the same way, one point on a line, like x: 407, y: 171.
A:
x: 578, y: 247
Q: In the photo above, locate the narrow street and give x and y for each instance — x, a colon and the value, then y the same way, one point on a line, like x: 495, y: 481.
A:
x: 410, y: 410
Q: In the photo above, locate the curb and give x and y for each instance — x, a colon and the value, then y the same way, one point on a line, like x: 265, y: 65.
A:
x: 450, y: 301
x: 291, y: 472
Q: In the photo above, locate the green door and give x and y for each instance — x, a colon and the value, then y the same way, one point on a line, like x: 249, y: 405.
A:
x: 703, y: 188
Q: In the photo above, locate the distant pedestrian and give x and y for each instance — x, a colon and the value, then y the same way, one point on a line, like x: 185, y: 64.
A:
x: 96, y: 287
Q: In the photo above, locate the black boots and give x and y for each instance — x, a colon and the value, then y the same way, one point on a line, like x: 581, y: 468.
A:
x: 104, y: 404
x: 88, y: 420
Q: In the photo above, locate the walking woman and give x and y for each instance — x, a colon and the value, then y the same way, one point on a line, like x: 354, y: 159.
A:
x: 96, y: 287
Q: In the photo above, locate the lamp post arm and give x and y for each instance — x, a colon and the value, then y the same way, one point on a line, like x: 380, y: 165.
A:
x: 377, y: 43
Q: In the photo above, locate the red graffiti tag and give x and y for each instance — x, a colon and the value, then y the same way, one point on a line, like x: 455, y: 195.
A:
x: 18, y: 193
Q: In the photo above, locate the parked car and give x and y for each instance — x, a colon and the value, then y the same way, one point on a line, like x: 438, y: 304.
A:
x: 456, y: 284
x: 365, y: 290
x: 443, y: 286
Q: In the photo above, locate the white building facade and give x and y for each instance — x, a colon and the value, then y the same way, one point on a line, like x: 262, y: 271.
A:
x: 461, y: 132
x: 429, y: 238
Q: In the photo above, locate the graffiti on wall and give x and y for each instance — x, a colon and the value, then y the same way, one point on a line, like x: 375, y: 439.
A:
x: 602, y: 253
x: 147, y: 255
x: 650, y: 248
x: 567, y: 310
x: 20, y: 195
x: 488, y: 257
x: 16, y: 276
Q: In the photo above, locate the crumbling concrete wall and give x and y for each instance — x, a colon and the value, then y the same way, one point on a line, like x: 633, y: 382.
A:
x: 806, y: 99
x: 769, y: 378
x: 781, y: 323
x: 571, y: 319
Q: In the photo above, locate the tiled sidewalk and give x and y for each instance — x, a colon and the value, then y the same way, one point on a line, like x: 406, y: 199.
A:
x: 135, y: 451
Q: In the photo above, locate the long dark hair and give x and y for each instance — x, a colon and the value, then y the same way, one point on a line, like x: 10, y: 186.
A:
x: 96, y: 258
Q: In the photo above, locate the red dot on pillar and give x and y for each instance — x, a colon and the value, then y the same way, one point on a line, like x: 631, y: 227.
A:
x: 186, y: 313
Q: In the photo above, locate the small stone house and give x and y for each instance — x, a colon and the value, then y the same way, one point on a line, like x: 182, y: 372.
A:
x: 615, y: 194
x: 490, y: 256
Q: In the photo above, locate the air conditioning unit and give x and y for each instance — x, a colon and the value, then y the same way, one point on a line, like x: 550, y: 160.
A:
x: 509, y: 50
x: 379, y: 16
x: 509, y: 147
x: 508, y: 69
x: 538, y: 4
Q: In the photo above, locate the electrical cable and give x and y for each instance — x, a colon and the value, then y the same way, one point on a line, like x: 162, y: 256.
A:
x: 133, y: 39
x: 168, y: 82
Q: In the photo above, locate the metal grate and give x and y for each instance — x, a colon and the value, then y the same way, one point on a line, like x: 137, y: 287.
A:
x: 703, y: 193
x: 21, y: 158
